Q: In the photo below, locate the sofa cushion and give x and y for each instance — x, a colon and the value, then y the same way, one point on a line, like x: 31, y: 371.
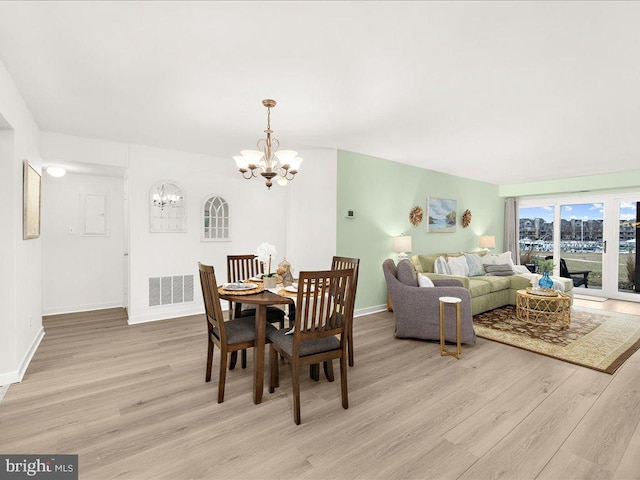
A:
x: 426, y: 262
x: 519, y: 282
x: 406, y: 273
x: 497, y: 283
x: 478, y: 287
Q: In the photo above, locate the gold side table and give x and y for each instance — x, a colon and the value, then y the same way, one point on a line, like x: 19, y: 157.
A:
x: 455, y: 303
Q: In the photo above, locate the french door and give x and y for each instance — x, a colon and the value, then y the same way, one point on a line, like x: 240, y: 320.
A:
x: 594, y: 239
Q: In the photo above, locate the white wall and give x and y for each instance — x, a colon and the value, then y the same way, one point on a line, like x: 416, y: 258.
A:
x: 313, y: 196
x: 80, y: 272
x: 256, y: 215
x: 20, y: 278
x: 299, y: 219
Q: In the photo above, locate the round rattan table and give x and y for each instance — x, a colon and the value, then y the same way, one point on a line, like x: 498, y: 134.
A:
x: 543, y: 308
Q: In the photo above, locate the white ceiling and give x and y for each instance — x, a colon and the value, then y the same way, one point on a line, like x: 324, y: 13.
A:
x: 504, y: 92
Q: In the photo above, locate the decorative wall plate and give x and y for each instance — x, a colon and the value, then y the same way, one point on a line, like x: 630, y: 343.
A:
x: 415, y: 215
x: 466, y: 218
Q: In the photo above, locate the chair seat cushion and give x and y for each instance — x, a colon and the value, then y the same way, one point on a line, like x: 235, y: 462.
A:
x: 274, y: 314
x: 308, y: 347
x: 240, y: 330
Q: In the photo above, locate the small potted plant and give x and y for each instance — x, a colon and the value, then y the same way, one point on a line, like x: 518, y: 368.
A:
x: 546, y: 267
x: 266, y: 252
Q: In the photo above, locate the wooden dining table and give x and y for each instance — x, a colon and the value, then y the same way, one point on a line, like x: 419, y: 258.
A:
x: 261, y: 300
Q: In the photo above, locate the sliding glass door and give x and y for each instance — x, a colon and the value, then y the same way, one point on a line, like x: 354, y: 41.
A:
x: 581, y: 243
x: 593, y: 240
x: 628, y: 243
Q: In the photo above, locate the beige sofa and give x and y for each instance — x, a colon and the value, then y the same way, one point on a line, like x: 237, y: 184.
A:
x: 487, y: 292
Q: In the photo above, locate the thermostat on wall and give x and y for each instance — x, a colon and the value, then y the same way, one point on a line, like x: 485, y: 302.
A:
x: 350, y: 213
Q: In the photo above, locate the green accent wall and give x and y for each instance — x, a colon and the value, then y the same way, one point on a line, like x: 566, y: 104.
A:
x: 591, y: 183
x: 382, y: 193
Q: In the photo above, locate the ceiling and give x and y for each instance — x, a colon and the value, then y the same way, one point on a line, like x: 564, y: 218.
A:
x: 504, y: 92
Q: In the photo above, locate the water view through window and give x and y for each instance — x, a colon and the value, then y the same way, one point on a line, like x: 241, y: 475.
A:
x: 582, y: 243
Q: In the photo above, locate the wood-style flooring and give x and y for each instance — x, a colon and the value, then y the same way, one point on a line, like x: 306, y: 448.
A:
x: 132, y: 402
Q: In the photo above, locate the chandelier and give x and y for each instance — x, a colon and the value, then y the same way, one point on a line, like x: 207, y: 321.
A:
x: 267, y: 161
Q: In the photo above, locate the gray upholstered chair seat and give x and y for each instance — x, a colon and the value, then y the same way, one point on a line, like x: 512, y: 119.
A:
x: 242, y: 330
x: 311, y: 347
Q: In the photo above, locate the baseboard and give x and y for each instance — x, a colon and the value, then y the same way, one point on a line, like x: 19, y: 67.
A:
x: 165, y: 315
x: 16, y: 376
x: 591, y: 298
x: 81, y: 308
x: 369, y: 310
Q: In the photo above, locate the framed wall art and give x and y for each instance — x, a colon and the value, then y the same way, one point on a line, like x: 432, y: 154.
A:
x: 441, y: 215
x: 31, y: 202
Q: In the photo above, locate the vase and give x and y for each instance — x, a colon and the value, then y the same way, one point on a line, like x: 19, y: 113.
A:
x: 270, y: 282
x: 545, y: 281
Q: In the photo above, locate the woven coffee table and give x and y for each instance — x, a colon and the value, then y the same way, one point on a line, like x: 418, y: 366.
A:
x: 545, y: 308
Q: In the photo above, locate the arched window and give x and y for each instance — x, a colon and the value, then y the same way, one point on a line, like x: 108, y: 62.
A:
x: 216, y: 219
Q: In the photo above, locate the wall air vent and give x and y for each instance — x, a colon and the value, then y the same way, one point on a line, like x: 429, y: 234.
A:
x: 170, y: 290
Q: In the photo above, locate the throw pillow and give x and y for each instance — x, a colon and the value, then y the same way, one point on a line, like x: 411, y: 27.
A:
x: 406, y: 273
x: 500, y: 259
x: 424, y: 281
x: 474, y: 262
x: 499, y: 270
x: 440, y: 266
x: 458, y: 266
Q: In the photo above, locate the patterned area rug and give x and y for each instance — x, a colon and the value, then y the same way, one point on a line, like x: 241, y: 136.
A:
x: 595, y: 339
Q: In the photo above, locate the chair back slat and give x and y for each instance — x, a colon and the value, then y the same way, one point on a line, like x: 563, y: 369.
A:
x: 241, y: 267
x: 322, y: 305
x: 211, y: 298
x: 343, y: 263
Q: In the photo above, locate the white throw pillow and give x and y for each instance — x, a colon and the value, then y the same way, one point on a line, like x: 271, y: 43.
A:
x: 440, y: 266
x: 458, y: 266
x: 424, y: 281
x: 500, y: 259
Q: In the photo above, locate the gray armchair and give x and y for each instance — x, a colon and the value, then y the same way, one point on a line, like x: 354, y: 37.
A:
x: 417, y: 309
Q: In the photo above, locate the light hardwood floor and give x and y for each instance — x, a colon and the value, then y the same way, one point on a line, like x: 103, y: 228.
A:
x: 132, y: 402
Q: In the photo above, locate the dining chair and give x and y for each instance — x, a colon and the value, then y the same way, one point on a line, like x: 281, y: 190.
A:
x: 230, y: 336
x: 241, y: 267
x: 341, y: 263
x: 323, y: 314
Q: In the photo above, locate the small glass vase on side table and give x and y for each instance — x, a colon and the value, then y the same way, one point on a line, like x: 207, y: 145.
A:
x: 545, y: 281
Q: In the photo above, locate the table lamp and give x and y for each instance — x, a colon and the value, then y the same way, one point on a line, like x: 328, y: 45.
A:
x: 402, y: 245
x: 486, y: 242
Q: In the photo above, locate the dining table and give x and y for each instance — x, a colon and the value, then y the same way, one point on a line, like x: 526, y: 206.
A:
x: 261, y: 300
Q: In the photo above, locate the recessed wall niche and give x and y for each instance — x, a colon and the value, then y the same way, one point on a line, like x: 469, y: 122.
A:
x: 167, y: 207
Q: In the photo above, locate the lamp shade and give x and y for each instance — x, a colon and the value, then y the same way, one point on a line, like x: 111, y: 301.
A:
x: 402, y: 244
x: 487, y: 241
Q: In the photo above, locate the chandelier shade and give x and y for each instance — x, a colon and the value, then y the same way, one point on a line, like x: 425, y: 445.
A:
x: 268, y: 162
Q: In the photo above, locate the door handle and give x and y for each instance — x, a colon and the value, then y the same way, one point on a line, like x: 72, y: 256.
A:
x: 604, y: 246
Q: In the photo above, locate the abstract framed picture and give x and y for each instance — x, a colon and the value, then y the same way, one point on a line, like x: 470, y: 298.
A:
x: 31, y: 202
x: 441, y: 215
